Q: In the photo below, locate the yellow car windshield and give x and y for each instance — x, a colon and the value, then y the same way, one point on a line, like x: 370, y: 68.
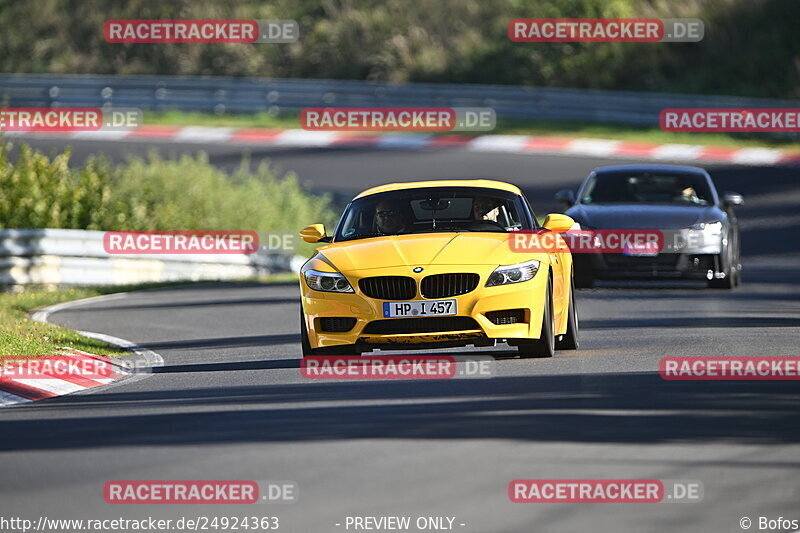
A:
x: 442, y: 209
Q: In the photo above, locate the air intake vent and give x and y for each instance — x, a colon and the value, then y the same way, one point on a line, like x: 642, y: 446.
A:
x: 447, y: 285
x: 389, y: 287
x: 336, y: 324
x: 421, y: 325
x: 508, y: 316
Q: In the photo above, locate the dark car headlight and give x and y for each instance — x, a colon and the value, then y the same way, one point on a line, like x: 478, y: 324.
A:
x: 507, y: 274
x: 709, y: 228
x: 327, y: 281
x: 708, y: 232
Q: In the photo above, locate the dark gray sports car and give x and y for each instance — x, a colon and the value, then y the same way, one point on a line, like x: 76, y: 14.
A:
x: 679, y: 199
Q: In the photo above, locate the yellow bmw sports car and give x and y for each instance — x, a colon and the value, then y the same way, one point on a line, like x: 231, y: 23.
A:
x: 427, y: 265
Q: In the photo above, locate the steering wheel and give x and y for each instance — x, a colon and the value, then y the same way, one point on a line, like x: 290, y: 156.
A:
x: 489, y: 222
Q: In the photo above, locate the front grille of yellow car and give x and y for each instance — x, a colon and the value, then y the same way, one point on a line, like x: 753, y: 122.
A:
x: 389, y: 287
x: 418, y: 325
x: 447, y: 285
x: 336, y: 324
x: 507, y: 316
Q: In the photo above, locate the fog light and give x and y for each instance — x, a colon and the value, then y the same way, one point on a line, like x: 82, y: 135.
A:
x: 507, y: 316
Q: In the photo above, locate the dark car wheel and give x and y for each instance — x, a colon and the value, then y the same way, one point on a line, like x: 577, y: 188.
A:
x: 730, y: 269
x: 569, y: 340
x: 737, y: 266
x: 724, y: 283
x: 545, y: 345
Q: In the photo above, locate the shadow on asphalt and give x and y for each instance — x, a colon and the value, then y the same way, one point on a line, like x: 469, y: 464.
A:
x: 270, y: 364
x: 222, y: 302
x: 690, y: 322
x: 225, y: 342
x: 273, y: 364
x: 602, y: 408
x: 744, y: 294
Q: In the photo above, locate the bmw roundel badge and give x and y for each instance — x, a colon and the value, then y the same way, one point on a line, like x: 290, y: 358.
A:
x: 418, y: 270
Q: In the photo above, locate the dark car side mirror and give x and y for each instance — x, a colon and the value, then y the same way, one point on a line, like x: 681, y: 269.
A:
x: 733, y: 199
x: 565, y: 196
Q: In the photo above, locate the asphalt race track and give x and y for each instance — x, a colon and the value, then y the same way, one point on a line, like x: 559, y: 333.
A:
x: 230, y: 402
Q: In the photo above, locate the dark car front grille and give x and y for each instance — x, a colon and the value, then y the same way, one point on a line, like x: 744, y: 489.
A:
x: 336, y: 324
x: 389, y: 287
x: 421, y: 325
x: 642, y: 263
x: 446, y: 285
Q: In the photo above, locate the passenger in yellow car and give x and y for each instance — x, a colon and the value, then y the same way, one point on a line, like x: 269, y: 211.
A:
x: 485, y: 208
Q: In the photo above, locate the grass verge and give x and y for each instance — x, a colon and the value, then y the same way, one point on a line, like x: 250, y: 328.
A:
x: 19, y: 335
x: 506, y: 127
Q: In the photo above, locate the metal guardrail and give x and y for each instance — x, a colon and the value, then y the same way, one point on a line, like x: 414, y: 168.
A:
x: 287, y: 96
x: 77, y: 257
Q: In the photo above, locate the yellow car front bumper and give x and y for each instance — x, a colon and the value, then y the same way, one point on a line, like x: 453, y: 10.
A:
x: 528, y: 296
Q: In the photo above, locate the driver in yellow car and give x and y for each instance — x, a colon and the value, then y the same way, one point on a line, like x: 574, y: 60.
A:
x: 389, y: 219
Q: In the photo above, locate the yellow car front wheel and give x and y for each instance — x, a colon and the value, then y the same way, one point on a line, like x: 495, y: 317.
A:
x: 569, y: 340
x: 545, y: 345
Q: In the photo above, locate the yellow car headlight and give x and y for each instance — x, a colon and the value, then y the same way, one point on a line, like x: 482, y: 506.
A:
x: 507, y: 274
x: 327, y: 281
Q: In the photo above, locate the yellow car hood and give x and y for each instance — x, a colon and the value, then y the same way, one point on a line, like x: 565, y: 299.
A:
x: 465, y: 248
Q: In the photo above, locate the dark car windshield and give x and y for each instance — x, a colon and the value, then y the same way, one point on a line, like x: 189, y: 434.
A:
x: 430, y: 210
x: 647, y: 187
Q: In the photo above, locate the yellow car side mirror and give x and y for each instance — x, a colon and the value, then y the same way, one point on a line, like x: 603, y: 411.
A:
x: 313, y: 233
x: 558, y: 223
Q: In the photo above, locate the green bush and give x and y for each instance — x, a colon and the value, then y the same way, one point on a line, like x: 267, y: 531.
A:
x: 150, y: 193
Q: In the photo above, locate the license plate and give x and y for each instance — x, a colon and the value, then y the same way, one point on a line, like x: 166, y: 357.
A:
x: 427, y: 308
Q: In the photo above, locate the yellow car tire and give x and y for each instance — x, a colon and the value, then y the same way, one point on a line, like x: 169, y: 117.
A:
x: 545, y: 345
x: 569, y: 340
